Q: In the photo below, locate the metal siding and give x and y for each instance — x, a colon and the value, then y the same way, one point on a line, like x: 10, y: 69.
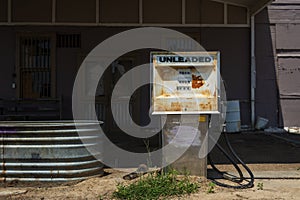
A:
x: 287, y: 1
x: 289, y: 88
x: 287, y: 36
x: 288, y: 76
x: 284, y: 14
x: 290, y: 112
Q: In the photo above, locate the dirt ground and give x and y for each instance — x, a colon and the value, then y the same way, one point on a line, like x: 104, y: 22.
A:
x: 103, y: 187
x: 275, y: 163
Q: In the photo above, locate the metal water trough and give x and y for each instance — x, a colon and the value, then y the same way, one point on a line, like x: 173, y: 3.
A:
x: 49, y: 151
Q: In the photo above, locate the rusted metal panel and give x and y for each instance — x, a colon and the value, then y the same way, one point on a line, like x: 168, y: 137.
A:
x: 186, y: 83
x: 49, y: 151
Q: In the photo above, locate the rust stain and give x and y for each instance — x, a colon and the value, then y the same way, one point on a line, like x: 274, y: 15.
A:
x: 197, y: 81
x: 215, y: 64
x: 215, y: 93
x: 206, y: 106
x: 164, y: 94
x: 206, y: 93
x: 159, y: 108
x: 175, y: 106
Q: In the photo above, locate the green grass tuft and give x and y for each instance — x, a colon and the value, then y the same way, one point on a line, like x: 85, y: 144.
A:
x: 260, y: 186
x: 211, y: 188
x: 155, y: 186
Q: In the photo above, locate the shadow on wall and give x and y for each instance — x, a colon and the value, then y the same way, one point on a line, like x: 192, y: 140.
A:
x: 278, y: 61
x: 267, y: 91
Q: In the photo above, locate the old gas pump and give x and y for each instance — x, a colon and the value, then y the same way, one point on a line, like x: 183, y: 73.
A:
x: 185, y: 93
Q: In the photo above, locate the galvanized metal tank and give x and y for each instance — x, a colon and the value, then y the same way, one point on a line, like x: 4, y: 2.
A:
x: 49, y: 151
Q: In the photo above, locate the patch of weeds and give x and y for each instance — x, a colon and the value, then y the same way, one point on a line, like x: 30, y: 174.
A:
x: 211, y: 187
x: 260, y: 186
x: 298, y: 168
x: 156, y: 186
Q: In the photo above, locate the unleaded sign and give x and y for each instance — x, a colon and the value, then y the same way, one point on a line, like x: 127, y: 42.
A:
x: 185, y: 82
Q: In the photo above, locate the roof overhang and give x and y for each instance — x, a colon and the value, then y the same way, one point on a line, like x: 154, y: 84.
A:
x: 254, y: 6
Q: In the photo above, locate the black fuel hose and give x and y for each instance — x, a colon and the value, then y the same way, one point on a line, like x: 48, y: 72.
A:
x: 227, y: 176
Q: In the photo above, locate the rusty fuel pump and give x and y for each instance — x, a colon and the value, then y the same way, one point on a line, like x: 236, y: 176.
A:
x: 186, y: 92
x: 187, y: 95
